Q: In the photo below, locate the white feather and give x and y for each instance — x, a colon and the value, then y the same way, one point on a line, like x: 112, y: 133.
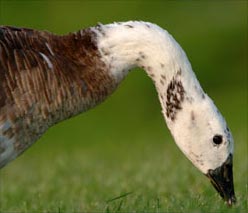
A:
x: 124, y: 46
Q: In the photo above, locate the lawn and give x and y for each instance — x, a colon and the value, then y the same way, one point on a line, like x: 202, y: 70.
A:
x: 120, y: 156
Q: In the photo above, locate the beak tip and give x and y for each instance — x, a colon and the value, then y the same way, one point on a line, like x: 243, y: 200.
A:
x: 231, y: 201
x: 222, y: 180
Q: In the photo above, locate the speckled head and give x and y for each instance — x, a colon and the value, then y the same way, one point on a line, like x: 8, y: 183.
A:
x: 202, y: 134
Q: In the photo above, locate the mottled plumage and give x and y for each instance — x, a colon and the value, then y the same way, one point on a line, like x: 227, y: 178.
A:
x: 45, y: 78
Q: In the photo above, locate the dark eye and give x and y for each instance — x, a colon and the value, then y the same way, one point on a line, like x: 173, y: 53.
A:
x: 217, y: 139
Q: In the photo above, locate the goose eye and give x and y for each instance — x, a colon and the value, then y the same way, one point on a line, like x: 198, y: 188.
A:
x: 217, y: 139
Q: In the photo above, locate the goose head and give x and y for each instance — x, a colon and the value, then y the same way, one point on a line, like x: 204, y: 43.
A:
x: 202, y: 134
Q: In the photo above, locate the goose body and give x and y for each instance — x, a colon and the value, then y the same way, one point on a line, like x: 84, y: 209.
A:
x: 46, y: 78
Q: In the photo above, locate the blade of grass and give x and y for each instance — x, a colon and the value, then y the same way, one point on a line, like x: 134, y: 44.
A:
x: 119, y: 197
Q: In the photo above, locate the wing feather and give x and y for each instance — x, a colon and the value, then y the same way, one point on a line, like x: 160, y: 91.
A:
x: 44, y: 79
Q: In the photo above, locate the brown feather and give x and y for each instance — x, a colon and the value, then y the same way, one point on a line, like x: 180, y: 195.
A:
x: 34, y: 95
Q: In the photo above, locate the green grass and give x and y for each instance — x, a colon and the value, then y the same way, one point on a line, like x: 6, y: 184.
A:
x: 64, y: 173
x: 120, y: 156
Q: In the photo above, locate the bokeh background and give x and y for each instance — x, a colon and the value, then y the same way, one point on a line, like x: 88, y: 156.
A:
x: 123, y: 145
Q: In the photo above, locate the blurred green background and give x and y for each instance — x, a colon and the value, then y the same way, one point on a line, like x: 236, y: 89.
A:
x: 124, y: 145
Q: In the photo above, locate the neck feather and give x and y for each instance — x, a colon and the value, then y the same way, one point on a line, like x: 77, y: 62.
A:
x: 124, y: 46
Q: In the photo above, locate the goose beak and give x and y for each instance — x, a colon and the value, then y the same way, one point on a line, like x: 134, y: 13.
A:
x: 222, y: 180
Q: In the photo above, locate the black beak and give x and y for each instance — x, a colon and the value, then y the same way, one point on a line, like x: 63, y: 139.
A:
x: 222, y: 180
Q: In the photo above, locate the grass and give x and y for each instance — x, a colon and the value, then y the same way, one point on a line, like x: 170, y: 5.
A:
x: 110, y: 173
x: 120, y: 156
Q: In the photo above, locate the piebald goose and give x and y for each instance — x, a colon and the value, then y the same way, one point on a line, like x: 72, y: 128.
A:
x: 46, y: 78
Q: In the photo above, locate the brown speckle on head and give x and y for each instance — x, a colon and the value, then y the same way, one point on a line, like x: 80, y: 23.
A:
x: 151, y: 75
x: 128, y: 26
x: 228, y: 133
x: 148, y: 26
x: 218, y: 112
x: 142, y: 55
x: 100, y: 29
x: 124, y: 71
x: 162, y: 82
x: 190, y: 99
x: 161, y: 96
x: 149, y: 69
x: 192, y: 116
x: 162, y: 65
x: 175, y: 97
x: 163, y: 77
x: 179, y: 72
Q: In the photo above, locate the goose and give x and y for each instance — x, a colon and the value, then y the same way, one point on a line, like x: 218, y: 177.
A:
x: 47, y: 78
